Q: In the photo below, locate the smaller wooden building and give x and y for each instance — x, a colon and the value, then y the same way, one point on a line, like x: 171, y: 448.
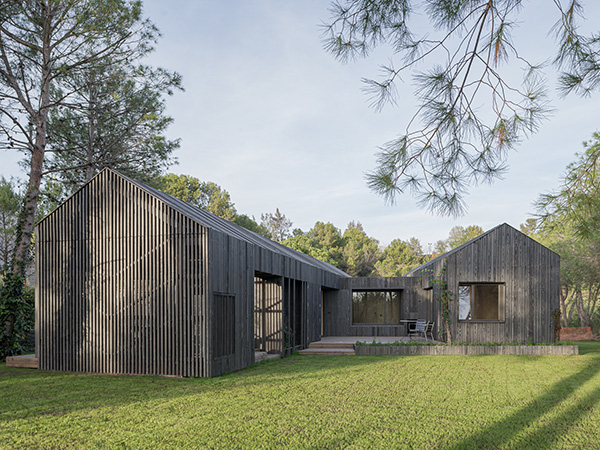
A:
x: 505, y: 288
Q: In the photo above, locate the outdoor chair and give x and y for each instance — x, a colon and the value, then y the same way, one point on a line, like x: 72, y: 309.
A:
x: 429, y: 330
x: 420, y: 327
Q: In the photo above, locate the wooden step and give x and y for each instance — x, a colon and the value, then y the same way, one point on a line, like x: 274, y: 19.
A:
x: 327, y: 351
x: 319, y: 344
x: 24, y: 361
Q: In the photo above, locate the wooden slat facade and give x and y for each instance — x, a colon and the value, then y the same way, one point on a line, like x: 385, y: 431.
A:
x: 528, y: 272
x: 415, y: 303
x: 130, y: 280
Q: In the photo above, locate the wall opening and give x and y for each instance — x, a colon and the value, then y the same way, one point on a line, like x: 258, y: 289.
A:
x: 376, y: 307
x: 481, y: 302
x: 224, y: 325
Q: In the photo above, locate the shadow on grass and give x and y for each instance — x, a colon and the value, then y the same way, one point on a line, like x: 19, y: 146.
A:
x: 30, y: 393
x: 500, y: 433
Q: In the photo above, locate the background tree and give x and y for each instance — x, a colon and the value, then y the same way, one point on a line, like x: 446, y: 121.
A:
x: 10, y: 205
x: 204, y: 194
x: 579, y: 273
x: 278, y: 225
x: 323, y: 241
x: 41, y: 43
x: 469, y: 114
x: 577, y: 201
x: 400, y: 257
x: 440, y: 248
x: 326, y: 236
x: 114, y: 118
x: 460, y: 235
x: 361, y: 252
x: 568, y: 222
x: 251, y: 224
x: 529, y: 227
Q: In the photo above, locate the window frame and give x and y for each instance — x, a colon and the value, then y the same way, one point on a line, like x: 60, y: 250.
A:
x: 385, y: 291
x: 501, y: 301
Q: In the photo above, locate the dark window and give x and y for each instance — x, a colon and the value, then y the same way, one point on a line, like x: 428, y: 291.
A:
x: 224, y: 325
x: 481, y: 302
x: 376, y: 307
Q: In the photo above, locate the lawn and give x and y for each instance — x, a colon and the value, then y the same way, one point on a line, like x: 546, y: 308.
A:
x: 450, y: 402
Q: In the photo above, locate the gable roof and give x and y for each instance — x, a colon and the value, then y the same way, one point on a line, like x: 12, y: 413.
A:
x: 217, y: 223
x: 466, y: 244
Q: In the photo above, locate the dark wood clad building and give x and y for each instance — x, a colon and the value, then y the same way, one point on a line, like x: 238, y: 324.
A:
x: 505, y: 287
x: 131, y: 280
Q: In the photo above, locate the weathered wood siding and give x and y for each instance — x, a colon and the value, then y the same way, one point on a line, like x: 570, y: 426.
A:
x: 130, y: 280
x: 531, y: 277
x: 122, y: 285
x: 414, y: 304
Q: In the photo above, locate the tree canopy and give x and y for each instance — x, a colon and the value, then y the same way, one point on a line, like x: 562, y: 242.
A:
x: 42, y: 44
x: 470, y: 111
x: 277, y: 224
x: 204, y: 194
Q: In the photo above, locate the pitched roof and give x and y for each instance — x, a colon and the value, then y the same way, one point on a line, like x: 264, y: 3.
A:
x: 460, y: 247
x: 217, y: 223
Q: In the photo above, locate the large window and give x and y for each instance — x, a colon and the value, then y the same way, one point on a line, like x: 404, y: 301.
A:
x: 481, y: 302
x: 376, y: 307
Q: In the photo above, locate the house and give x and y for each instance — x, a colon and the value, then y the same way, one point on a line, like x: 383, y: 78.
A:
x: 131, y: 280
x: 505, y: 288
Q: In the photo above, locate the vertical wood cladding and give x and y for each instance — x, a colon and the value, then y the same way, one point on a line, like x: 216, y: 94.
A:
x: 131, y: 280
x: 122, y: 287
x: 415, y: 303
x: 530, y: 274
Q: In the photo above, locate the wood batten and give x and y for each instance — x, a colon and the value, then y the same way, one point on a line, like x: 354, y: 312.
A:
x: 119, y: 284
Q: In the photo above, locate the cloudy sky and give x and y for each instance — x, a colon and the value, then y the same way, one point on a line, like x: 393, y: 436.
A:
x: 276, y: 121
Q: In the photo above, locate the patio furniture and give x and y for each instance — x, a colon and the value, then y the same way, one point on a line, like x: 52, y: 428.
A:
x: 422, y: 327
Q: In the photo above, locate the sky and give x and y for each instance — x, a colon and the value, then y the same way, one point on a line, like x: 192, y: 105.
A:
x: 275, y: 120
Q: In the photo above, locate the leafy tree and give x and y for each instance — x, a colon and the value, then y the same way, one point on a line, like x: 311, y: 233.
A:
x: 360, y: 252
x: 440, y: 248
x: 308, y: 246
x: 469, y: 114
x: 327, y: 237
x: 41, y: 43
x: 460, y: 235
x: 400, y: 257
x: 579, y: 272
x: 529, y: 227
x: 278, y: 225
x: 323, y: 241
x: 10, y: 204
x: 577, y: 201
x: 114, y: 118
x: 250, y: 224
x: 204, y: 194
x: 569, y: 223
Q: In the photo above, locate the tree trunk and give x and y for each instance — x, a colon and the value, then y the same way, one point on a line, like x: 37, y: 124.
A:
x: 24, y: 231
x: 584, y: 317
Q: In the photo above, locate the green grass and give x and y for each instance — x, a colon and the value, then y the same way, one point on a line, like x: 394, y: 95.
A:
x: 450, y: 402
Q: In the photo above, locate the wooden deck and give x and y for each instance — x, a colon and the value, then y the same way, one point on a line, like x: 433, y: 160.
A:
x: 344, y: 345
x: 24, y: 361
